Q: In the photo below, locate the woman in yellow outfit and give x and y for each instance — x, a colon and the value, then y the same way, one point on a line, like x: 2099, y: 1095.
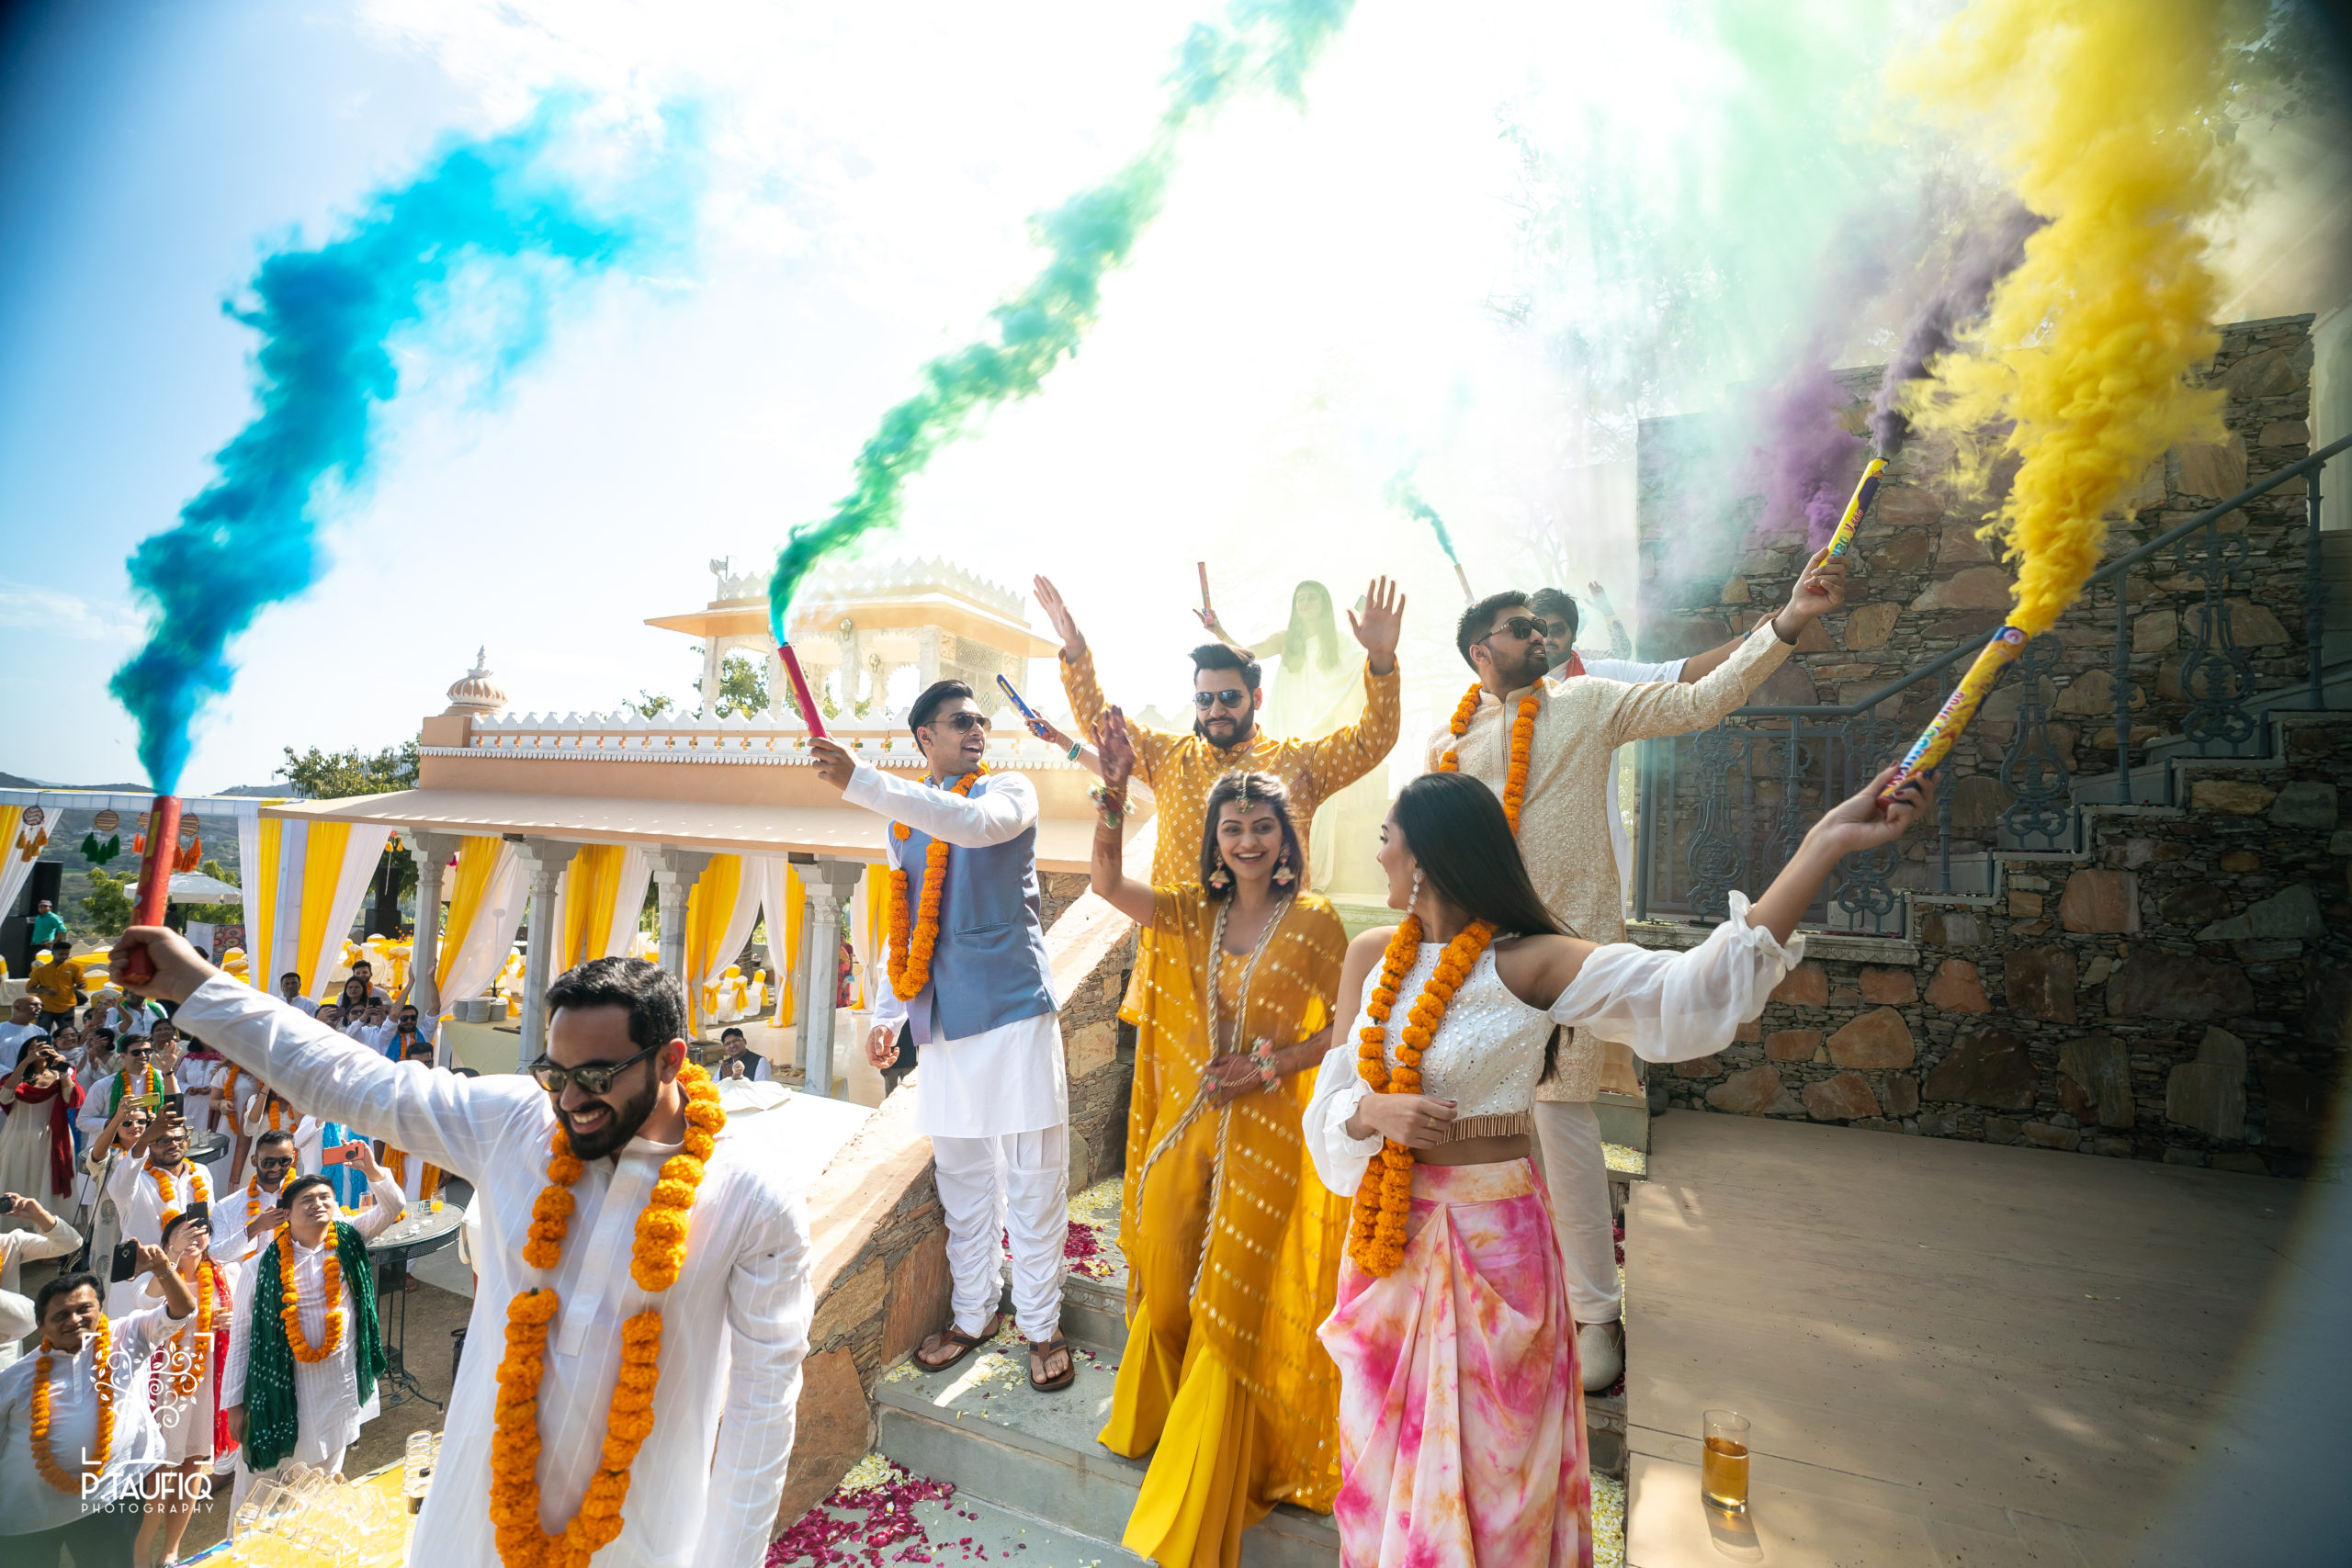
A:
x: 1232, y: 1244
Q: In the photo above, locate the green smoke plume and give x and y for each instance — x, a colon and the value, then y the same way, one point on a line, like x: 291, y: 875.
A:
x: 1405, y: 496
x: 1259, y: 43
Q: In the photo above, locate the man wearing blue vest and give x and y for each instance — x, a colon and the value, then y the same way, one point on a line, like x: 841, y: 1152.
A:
x: 973, y: 992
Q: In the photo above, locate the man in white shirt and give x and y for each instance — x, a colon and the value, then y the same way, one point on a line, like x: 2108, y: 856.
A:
x: 1563, y: 835
x: 138, y: 1075
x: 49, y: 1508
x: 24, y: 1024
x: 143, y: 1190
x: 703, y: 1490
x: 44, y: 1236
x: 290, y: 989
x: 991, y: 1093
x: 308, y: 1412
x: 247, y: 1215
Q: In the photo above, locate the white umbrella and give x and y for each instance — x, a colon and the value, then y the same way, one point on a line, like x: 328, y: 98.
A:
x: 195, y: 887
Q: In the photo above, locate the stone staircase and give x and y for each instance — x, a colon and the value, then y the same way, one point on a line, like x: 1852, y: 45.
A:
x: 1032, y: 1483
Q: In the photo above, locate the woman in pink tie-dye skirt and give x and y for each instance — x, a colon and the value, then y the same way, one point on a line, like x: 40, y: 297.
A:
x: 1461, y: 1437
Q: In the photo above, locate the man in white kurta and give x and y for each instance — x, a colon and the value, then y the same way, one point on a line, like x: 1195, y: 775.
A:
x: 991, y: 1090
x: 704, y: 1491
x: 1564, y: 837
x: 245, y: 1215
x: 157, y: 1179
x: 330, y: 1412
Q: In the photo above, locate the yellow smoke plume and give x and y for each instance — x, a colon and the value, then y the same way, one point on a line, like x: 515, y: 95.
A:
x: 2101, y: 112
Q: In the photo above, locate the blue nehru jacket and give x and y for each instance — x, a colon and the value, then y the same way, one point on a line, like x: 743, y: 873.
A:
x: 989, y: 967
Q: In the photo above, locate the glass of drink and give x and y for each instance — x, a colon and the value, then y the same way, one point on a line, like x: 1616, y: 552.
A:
x: 1722, y: 1471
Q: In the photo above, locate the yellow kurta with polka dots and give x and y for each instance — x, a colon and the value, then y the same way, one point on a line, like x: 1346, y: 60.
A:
x: 1232, y: 1252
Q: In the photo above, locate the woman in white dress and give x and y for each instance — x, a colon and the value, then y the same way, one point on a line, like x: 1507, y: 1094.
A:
x: 111, y: 1146
x: 37, y: 1103
x: 184, y: 1386
x: 1462, y: 1435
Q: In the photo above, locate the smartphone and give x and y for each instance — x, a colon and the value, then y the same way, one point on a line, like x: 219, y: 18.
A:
x: 8, y: 1202
x: 176, y: 1104
x: 126, y: 1261
x: 339, y: 1155
x: 201, y: 1212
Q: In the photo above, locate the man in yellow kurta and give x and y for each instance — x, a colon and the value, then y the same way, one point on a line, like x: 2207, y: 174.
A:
x: 1227, y: 694
x: 1564, y: 837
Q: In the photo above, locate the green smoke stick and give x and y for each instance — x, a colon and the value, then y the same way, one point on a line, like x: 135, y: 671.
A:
x: 1268, y: 44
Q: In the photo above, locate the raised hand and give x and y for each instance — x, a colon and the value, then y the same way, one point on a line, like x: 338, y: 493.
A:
x: 1820, y: 588
x: 1599, y: 597
x: 1116, y: 748
x: 154, y: 961
x: 1384, y: 614
x: 834, y: 764
x: 1049, y: 599
x: 1863, y: 821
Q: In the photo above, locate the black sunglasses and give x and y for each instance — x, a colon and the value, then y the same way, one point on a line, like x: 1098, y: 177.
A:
x: 1524, y: 628
x: 273, y: 1162
x: 1232, y: 698
x: 593, y: 1079
x: 962, y: 723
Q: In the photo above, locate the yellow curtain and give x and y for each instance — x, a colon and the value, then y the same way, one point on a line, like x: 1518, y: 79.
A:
x: 786, y: 941
x: 477, y: 859
x: 590, y: 882
x: 322, y: 870
x: 263, y: 879
x: 710, y: 913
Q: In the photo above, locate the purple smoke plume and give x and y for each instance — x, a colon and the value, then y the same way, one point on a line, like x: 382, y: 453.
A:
x: 1985, y: 257
x: 1809, y: 460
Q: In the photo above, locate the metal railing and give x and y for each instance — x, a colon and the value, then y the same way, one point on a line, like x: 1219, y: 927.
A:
x: 1765, y: 772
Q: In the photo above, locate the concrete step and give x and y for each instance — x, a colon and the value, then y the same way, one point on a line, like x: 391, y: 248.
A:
x: 983, y: 1428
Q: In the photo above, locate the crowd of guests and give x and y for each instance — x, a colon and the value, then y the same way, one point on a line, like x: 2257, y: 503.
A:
x: 191, y: 1267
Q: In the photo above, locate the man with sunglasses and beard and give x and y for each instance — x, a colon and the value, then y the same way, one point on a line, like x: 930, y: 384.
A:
x: 1563, y: 831
x: 605, y: 1139
x: 968, y: 985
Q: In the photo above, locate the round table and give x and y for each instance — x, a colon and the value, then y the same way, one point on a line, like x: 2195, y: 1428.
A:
x: 423, y: 1229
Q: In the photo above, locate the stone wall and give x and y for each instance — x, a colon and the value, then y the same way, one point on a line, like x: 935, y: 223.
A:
x: 879, y: 1269
x: 2181, y: 990
x: 1921, y: 582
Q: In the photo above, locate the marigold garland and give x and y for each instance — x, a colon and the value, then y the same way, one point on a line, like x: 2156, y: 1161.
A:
x: 1523, y: 739
x: 167, y: 1187
x: 101, y: 1376
x: 659, y: 1252
x: 289, y: 1313
x: 1384, y: 1198
x: 911, y: 949
x: 192, y: 1364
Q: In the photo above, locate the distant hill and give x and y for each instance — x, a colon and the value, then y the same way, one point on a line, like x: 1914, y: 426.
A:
x: 10, y: 781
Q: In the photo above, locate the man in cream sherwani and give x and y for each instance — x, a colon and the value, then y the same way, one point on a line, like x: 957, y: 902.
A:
x: 706, y: 1484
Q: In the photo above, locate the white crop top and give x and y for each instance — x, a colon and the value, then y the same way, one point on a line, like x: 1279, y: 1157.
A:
x: 1487, y: 1053
x: 1488, y: 1050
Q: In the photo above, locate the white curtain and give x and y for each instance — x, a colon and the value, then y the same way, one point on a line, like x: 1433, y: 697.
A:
x: 637, y: 874
x: 249, y: 900
x: 363, y: 855
x: 285, y: 908
x: 483, y: 947
x: 751, y: 896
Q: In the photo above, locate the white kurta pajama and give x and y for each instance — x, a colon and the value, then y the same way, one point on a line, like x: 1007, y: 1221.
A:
x: 995, y: 1104
x: 328, y: 1411
x: 704, y: 1491
x: 28, y: 1504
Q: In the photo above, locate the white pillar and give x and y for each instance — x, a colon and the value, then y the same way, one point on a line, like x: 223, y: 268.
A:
x: 713, y: 659
x: 432, y: 852
x: 829, y: 884
x: 543, y: 863
x: 676, y: 871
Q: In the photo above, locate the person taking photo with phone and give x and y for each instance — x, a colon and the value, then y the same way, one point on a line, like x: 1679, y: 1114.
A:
x: 77, y: 1439
x: 184, y: 1386
x: 157, y: 1179
x: 37, y: 1100
x: 40, y: 1235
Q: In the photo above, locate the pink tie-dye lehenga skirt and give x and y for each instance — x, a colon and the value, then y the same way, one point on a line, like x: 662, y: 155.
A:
x: 1462, y: 1435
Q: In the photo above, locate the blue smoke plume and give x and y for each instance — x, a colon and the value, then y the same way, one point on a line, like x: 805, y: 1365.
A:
x: 1405, y: 496
x: 1269, y: 43
x: 326, y: 317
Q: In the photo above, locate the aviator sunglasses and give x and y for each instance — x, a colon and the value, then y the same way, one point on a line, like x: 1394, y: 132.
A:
x: 593, y: 1079
x: 1229, y: 697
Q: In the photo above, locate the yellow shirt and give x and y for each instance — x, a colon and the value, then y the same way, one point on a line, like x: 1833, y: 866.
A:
x: 53, y: 984
x: 1183, y: 769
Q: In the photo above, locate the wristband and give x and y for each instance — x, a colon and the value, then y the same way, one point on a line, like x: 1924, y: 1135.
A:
x: 1075, y: 747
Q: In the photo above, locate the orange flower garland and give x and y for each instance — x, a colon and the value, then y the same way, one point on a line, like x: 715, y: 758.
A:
x: 95, y: 1460
x: 1523, y: 739
x: 167, y: 1186
x: 192, y: 1365
x: 910, y: 950
x: 1384, y: 1198
x: 287, y: 1312
x: 659, y: 1253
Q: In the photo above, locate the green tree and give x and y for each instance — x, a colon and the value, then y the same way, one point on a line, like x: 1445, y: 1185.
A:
x: 648, y: 704
x: 331, y: 775
x: 742, y: 687
x: 107, y: 906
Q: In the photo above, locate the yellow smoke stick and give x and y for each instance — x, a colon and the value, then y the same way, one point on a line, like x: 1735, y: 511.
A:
x: 2099, y: 111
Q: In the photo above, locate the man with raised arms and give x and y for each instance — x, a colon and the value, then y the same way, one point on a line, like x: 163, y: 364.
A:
x: 970, y: 987
x: 1554, y: 742
x: 664, y: 1247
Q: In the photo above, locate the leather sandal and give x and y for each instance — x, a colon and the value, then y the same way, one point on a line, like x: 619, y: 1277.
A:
x: 963, y: 1342
x: 1043, y: 1350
